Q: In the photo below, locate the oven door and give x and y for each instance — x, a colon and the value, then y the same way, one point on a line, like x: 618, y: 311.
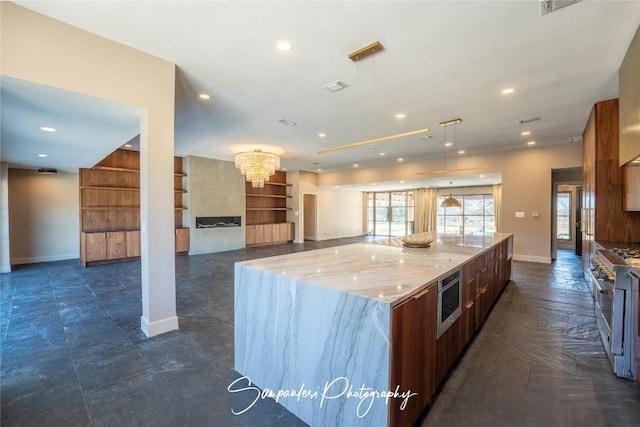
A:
x: 604, y: 310
x: 449, y: 303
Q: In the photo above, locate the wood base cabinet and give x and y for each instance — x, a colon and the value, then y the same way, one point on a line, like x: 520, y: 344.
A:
x: 413, y: 326
x: 182, y: 242
x: 269, y: 234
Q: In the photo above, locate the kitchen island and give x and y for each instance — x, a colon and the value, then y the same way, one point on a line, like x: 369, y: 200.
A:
x: 347, y: 335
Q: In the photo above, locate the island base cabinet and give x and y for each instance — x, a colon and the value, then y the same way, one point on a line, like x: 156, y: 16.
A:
x: 447, y: 350
x: 413, y: 357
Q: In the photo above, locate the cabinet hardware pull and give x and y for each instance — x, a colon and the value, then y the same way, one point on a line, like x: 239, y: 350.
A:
x: 423, y: 292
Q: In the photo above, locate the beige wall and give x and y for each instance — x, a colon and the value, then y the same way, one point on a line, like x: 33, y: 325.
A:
x: 526, y: 187
x: 214, y: 188
x: 43, y: 216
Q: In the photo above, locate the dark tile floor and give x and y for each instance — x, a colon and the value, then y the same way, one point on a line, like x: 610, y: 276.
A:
x: 73, y: 353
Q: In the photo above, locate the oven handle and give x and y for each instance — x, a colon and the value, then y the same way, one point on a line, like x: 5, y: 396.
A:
x: 605, y: 291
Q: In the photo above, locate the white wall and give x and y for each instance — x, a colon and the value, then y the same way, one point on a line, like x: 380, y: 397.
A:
x: 214, y: 188
x: 5, y: 251
x: 43, y: 216
x: 340, y: 211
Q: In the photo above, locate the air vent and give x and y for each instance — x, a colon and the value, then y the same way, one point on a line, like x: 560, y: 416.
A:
x: 548, y: 6
x: 47, y: 171
x: 425, y: 137
x: 335, y: 86
x: 575, y: 139
x: 287, y: 123
x: 529, y: 120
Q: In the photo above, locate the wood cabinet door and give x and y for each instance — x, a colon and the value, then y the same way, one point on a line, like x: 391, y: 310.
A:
x: 413, y: 354
x: 132, y: 242
x: 267, y: 233
x: 182, y: 242
x: 251, y: 234
x: 291, y: 232
x: 631, y: 185
x: 95, y: 245
x: 116, y: 245
x: 277, y: 233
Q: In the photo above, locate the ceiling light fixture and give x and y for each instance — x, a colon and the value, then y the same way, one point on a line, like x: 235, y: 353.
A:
x: 355, y: 165
x: 257, y: 166
x: 128, y: 145
x: 508, y: 91
x: 322, y: 135
x: 204, y: 96
x: 381, y: 154
x: 450, y: 202
x: 448, y: 144
x: 42, y: 155
x: 355, y: 56
x: 401, y: 159
x: 400, y: 116
x: 531, y: 143
x: 47, y: 129
x: 525, y: 133
x: 460, y: 151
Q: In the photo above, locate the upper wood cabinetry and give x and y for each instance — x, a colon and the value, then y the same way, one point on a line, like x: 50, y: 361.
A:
x: 110, y: 208
x: 266, y: 214
x: 604, y: 217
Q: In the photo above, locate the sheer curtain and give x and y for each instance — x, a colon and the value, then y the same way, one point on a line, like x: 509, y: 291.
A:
x: 497, y: 205
x: 426, y: 210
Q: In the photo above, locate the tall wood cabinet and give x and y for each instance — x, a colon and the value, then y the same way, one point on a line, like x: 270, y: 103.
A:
x: 602, y: 199
x: 266, y: 214
x: 110, y: 209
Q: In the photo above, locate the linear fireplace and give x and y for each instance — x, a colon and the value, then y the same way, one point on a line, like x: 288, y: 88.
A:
x: 218, y: 221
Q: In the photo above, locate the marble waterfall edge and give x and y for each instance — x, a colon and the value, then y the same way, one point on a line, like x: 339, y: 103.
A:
x: 322, y: 347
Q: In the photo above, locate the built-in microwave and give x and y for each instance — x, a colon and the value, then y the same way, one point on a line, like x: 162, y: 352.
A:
x: 449, y: 301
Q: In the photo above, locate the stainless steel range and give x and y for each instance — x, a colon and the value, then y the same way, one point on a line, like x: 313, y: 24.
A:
x: 611, y: 288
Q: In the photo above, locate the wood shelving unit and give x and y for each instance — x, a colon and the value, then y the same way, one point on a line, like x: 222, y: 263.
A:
x: 110, y: 209
x: 266, y: 212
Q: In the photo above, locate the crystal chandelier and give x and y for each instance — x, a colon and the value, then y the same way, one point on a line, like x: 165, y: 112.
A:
x: 257, y: 166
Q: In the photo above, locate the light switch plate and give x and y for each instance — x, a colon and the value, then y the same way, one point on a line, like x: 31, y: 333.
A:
x: 519, y: 214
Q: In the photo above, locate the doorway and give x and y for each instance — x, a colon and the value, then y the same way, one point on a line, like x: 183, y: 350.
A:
x: 309, y: 216
x: 566, y: 184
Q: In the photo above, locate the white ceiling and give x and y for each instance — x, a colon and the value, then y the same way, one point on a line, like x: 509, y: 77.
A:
x: 440, y: 60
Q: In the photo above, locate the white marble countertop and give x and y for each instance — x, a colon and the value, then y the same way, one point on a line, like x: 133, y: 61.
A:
x: 383, y: 269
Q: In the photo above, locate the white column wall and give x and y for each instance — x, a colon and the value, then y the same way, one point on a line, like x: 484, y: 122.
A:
x: 5, y: 255
x: 42, y: 50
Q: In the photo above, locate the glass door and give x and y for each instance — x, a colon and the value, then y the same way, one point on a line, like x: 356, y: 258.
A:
x: 390, y: 213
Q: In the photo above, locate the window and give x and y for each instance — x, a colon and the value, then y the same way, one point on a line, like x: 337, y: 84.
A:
x: 563, y: 215
x: 476, y: 217
x: 390, y: 213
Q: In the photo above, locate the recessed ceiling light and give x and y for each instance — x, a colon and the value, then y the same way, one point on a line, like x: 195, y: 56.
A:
x: 322, y: 135
x: 380, y: 154
x: 128, y: 145
x: 47, y: 129
x: 42, y: 155
x: 401, y: 159
x: 482, y: 176
x: 284, y: 46
x: 204, y: 96
x: 525, y: 133
x: 460, y: 151
x: 400, y: 116
x: 401, y: 182
x: 448, y: 144
x: 531, y: 143
x: 508, y: 91
x: 319, y: 170
x: 355, y: 165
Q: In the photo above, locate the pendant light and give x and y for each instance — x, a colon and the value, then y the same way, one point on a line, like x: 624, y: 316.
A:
x: 450, y: 202
x: 355, y: 56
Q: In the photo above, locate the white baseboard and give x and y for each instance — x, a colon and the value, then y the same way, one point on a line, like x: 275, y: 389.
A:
x: 530, y: 258
x: 298, y: 241
x: 5, y: 269
x: 45, y: 258
x: 159, y: 326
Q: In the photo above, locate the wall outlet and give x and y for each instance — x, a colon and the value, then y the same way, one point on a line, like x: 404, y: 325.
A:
x: 536, y: 214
